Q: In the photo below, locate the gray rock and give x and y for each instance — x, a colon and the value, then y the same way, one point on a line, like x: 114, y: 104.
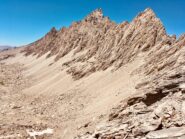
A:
x: 166, y: 133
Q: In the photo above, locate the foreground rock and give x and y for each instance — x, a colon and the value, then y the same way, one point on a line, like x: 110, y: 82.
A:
x: 152, y: 115
x: 173, y: 132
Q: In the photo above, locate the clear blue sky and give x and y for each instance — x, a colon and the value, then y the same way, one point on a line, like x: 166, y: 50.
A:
x: 24, y: 21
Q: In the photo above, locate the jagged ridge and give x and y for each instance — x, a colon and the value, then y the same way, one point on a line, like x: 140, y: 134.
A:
x: 101, y: 43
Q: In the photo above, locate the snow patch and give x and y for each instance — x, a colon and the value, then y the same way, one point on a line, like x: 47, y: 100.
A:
x: 39, y: 133
x: 10, y: 136
x: 182, y: 86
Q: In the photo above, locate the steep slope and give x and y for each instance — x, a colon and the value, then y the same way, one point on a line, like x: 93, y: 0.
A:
x: 95, y: 79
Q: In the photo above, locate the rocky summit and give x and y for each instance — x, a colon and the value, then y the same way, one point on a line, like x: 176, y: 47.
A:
x: 96, y: 79
x: 103, y: 42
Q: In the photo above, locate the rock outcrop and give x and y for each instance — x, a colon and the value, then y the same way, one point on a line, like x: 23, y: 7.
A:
x: 157, y: 112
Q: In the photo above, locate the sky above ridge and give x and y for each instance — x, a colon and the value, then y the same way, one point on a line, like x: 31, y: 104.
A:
x: 24, y: 21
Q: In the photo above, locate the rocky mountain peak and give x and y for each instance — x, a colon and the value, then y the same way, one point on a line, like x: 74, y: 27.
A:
x: 150, y: 27
x: 96, y: 15
x: 52, y: 31
x: 107, y: 43
x: 149, y: 11
x: 147, y: 15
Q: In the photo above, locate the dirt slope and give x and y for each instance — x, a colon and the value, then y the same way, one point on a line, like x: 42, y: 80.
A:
x: 55, y: 99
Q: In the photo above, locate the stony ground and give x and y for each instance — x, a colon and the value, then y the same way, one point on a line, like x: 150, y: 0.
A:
x: 158, y: 113
x: 15, y: 118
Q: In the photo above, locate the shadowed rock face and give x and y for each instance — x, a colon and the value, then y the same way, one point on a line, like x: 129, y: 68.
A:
x: 98, y: 43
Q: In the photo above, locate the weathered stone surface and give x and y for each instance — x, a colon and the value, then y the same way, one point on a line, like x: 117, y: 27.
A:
x: 157, y: 112
x: 166, y: 133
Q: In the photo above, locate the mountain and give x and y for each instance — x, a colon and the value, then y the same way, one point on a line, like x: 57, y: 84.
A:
x: 107, y: 43
x: 96, y: 79
x: 4, y: 47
